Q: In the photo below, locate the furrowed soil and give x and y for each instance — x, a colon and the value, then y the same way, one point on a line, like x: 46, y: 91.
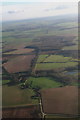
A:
x: 19, y: 64
x: 21, y: 112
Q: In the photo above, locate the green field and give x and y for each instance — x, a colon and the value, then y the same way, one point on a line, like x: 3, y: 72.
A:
x: 63, y: 31
x: 54, y: 58
x: 13, y: 95
x: 5, y: 81
x: 57, y: 58
x: 0, y: 82
x: 0, y: 96
x: 41, y: 58
x: 74, y: 47
x: 49, y: 62
x: 42, y: 82
x: 75, y: 83
x: 52, y: 66
x: 68, y: 24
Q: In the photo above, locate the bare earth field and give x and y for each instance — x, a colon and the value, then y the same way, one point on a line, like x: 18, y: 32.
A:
x: 7, y: 47
x: 60, y: 100
x: 19, y: 51
x: 7, y: 58
x: 19, y: 64
x: 24, y: 112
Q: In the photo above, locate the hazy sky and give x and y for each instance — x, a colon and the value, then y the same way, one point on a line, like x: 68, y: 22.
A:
x: 26, y: 10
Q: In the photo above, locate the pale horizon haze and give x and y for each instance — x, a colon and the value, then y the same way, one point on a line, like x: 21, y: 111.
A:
x: 27, y: 10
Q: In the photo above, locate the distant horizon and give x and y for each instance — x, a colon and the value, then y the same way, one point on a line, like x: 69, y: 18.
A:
x: 17, y: 11
x: 37, y: 18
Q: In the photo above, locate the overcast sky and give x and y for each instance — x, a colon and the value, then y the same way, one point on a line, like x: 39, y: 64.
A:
x: 26, y: 10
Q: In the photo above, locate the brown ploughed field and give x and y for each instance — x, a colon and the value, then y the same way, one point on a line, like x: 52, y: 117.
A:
x: 24, y: 112
x: 20, y: 51
x: 62, y: 100
x: 19, y: 64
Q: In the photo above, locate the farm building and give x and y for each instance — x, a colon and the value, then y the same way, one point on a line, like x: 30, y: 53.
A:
x: 62, y: 102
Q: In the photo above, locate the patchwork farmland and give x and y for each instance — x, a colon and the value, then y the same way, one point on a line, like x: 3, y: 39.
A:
x: 38, y: 55
x: 49, y: 62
